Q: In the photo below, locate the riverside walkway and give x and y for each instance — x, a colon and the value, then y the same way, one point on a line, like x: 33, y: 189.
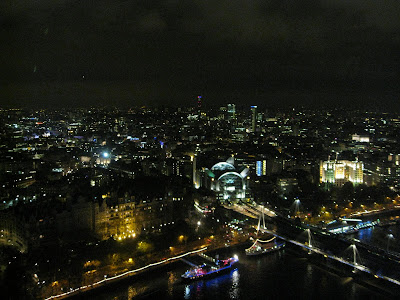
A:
x: 127, y: 274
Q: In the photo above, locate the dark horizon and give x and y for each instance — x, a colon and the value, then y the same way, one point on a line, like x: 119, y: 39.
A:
x: 318, y: 53
x: 316, y: 101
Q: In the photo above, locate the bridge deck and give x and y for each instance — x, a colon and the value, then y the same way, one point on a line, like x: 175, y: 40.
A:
x: 188, y: 262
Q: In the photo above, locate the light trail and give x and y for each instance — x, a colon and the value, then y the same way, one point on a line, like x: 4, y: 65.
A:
x: 82, y: 288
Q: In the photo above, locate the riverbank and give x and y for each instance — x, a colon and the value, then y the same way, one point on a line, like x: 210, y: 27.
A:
x: 211, y: 247
x: 125, y: 275
x: 289, y: 273
x: 375, y: 215
x: 107, y: 281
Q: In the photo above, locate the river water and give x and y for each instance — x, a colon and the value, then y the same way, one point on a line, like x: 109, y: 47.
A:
x: 281, y: 275
x: 384, y: 237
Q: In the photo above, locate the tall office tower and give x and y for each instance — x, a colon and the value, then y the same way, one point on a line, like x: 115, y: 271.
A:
x: 196, y: 179
x: 231, y: 111
x: 199, y: 103
x: 193, y: 158
x: 253, y: 118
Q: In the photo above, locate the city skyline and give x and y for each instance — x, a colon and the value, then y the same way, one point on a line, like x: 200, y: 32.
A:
x: 65, y: 53
x: 90, y: 196
x: 137, y: 133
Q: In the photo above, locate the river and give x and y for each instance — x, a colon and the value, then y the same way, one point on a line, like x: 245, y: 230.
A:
x: 387, y: 237
x: 286, y: 274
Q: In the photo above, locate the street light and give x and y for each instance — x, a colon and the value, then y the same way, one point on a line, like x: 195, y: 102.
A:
x: 296, y: 205
x: 182, y: 238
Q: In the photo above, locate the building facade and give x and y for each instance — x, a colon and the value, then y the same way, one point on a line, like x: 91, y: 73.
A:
x: 338, y: 172
x: 229, y: 182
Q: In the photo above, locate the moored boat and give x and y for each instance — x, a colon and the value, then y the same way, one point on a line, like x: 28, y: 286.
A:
x: 262, y: 247
x: 208, y: 270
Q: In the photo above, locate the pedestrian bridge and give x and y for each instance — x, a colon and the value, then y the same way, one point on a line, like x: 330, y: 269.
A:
x: 369, y: 259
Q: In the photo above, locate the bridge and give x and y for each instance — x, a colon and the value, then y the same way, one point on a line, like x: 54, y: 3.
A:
x: 361, y: 257
x: 250, y: 210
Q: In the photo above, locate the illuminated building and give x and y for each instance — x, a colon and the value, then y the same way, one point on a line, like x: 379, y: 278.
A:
x: 338, y: 172
x: 287, y: 185
x: 195, y: 176
x: 104, y: 159
x: 360, y: 138
x: 394, y: 158
x: 125, y: 219
x: 261, y: 167
x: 388, y: 171
x: 231, y: 112
x: 253, y: 118
x: 229, y: 183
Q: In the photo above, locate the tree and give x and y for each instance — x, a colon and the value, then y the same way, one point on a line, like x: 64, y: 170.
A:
x: 346, y: 193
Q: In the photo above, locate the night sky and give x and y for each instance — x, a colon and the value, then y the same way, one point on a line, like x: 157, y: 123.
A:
x: 147, y: 52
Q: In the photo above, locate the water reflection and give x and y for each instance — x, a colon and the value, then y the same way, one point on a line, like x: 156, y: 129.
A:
x: 187, y: 292
x: 172, y: 279
x: 134, y: 291
x: 131, y: 292
x: 365, y: 234
x: 234, y: 290
x: 353, y: 292
x: 308, y: 278
x: 283, y: 275
x: 199, y: 289
x: 378, y: 236
x: 216, y: 288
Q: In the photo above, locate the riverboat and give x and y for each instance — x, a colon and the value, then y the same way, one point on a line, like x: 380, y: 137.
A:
x: 208, y: 270
x: 261, y: 247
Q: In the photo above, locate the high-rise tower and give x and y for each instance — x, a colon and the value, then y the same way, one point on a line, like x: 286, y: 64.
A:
x: 253, y: 118
x: 231, y: 111
x: 199, y: 102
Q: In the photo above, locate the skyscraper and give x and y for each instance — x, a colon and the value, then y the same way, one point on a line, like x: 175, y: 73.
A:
x: 261, y: 167
x: 199, y: 102
x: 253, y: 118
x: 231, y: 111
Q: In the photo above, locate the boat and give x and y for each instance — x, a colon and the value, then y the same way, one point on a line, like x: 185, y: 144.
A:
x: 208, y: 270
x: 262, y: 247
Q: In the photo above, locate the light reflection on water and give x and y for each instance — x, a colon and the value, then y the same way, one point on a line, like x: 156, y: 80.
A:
x: 279, y: 275
x: 308, y: 278
x: 187, y: 292
x: 234, y: 290
x: 172, y: 279
x: 378, y: 236
x: 201, y: 288
x: 365, y: 235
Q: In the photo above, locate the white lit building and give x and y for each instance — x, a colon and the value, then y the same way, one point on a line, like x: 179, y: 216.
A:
x: 360, y: 138
x: 338, y: 172
x: 229, y: 183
